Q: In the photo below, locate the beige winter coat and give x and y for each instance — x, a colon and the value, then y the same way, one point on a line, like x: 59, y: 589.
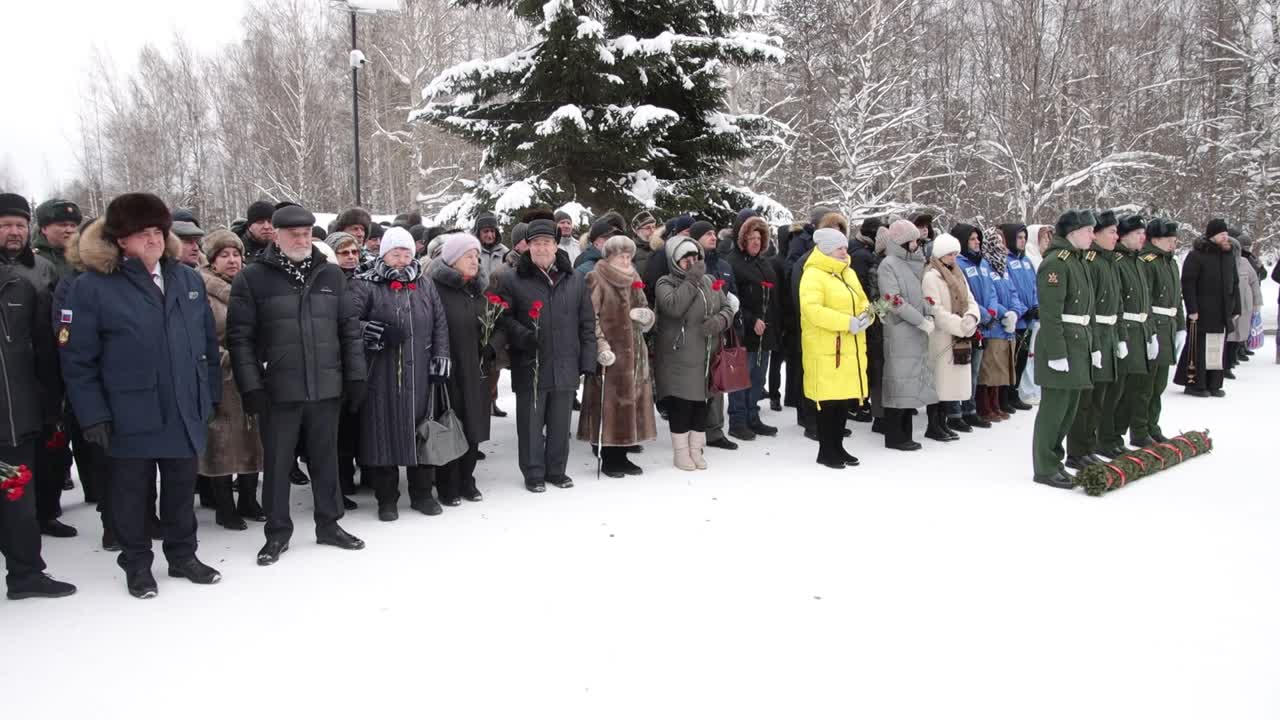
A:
x: 234, y: 445
x: 951, y: 381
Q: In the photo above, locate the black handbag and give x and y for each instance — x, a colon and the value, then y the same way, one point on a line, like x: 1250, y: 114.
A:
x: 961, y: 352
x: 441, y: 440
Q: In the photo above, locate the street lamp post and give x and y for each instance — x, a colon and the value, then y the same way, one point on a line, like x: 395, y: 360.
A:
x: 357, y: 60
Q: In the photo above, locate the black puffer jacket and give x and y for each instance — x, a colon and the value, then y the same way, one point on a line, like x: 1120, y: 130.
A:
x: 565, y: 341
x: 28, y: 367
x: 750, y: 274
x: 300, y: 344
x: 1211, y: 286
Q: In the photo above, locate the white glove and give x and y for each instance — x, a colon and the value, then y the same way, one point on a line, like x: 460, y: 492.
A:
x: 1179, y: 340
x: 1061, y: 365
x: 1096, y: 356
x: 733, y: 301
x: 606, y: 358
x: 859, y: 324
x: 1153, y: 348
x: 1010, y: 322
x: 1122, y: 350
x: 643, y: 316
x: 926, y: 326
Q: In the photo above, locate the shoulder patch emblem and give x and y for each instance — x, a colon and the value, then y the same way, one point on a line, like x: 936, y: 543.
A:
x: 971, y: 271
x: 1051, y: 279
x: 1064, y: 254
x: 64, y: 336
x: 1091, y: 256
x: 1149, y: 257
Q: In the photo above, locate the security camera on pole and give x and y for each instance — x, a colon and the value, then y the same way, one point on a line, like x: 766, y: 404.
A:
x: 358, y: 60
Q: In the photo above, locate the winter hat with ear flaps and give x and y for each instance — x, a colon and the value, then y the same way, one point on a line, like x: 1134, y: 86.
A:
x: 1073, y: 220
x: 1129, y: 223
x: 1104, y: 219
x: 133, y: 212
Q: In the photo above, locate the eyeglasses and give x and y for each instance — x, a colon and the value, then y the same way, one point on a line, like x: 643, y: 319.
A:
x: 348, y: 252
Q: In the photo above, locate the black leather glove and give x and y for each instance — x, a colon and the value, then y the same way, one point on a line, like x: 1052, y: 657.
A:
x: 99, y: 435
x: 255, y: 402
x: 373, y: 331
x: 393, y: 336
x: 355, y: 392
x: 1032, y: 314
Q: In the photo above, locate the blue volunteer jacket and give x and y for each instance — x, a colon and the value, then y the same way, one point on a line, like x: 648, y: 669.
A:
x: 978, y: 276
x: 1006, y: 299
x: 146, y: 363
x: 1023, y: 275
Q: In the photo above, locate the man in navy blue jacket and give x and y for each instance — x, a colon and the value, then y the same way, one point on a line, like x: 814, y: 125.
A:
x: 140, y: 360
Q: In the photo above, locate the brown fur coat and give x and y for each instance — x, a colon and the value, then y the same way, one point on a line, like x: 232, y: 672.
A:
x: 234, y: 445
x: 629, y: 417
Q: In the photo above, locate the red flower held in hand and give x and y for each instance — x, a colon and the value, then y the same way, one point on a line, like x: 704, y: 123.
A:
x: 977, y: 335
x: 717, y: 284
x: 637, y: 285
x: 766, y: 284
x: 493, y: 299
x: 397, y: 285
x: 413, y: 286
x: 535, y: 312
x: 537, y: 305
x: 929, y: 300
x: 991, y: 311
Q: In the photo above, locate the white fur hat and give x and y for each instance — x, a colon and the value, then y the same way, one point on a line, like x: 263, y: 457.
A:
x: 397, y: 237
x: 945, y: 244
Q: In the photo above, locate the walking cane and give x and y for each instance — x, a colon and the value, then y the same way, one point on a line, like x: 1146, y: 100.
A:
x: 600, y: 434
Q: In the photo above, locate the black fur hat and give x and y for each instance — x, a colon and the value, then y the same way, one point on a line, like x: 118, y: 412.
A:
x: 132, y: 212
x: 355, y: 216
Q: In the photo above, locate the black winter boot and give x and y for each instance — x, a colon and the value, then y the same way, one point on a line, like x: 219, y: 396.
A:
x: 247, y: 502
x: 204, y: 491
x: 227, y: 515
x: 936, y: 429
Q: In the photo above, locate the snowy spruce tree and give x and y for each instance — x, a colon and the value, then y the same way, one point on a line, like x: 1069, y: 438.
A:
x: 613, y: 104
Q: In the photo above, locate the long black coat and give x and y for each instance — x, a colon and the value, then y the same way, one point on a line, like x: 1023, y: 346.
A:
x: 750, y: 273
x: 27, y: 365
x: 1211, y: 287
x: 464, y: 304
x: 300, y: 344
x: 564, y: 342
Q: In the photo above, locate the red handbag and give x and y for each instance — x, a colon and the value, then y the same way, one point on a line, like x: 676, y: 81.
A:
x: 729, y: 370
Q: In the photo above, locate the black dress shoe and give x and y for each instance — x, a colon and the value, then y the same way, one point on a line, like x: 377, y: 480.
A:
x: 452, y: 502
x: 1218, y: 393
x: 58, y: 529
x: 535, y: 486
x: 1095, y: 459
x: 564, y: 482
x: 1111, y: 453
x: 497, y: 411
x: 388, y: 513
x: 272, y: 551
x: 1016, y: 403
x: 1228, y: 375
x: 340, y: 538
x: 975, y: 421
x: 832, y: 463
x: 775, y: 405
x: 723, y: 443
x: 297, y: 477
x: 1076, y: 462
x: 1159, y: 438
x: 908, y: 446
x: 760, y: 428
x: 348, y: 503
x: 1057, y: 480
x: 742, y: 432
x: 427, y: 506
x: 39, y: 586
x: 195, y: 571
x: 958, y: 424
x: 472, y: 496
x: 1196, y: 392
x: 850, y: 460
x: 1142, y: 442
x: 811, y: 434
x: 141, y: 583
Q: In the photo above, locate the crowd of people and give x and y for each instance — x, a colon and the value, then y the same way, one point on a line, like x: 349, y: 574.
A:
x: 137, y: 345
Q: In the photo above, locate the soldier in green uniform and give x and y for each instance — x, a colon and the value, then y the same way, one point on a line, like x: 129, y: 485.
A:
x: 1138, y: 345
x: 1169, y: 323
x: 1104, y: 278
x: 1063, y: 344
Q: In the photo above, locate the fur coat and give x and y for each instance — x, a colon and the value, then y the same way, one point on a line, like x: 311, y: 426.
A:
x: 234, y: 446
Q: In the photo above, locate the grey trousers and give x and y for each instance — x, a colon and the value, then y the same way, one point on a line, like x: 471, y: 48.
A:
x: 543, y: 433
x: 715, y: 417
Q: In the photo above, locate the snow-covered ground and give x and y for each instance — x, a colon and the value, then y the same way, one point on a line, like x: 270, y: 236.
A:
x: 937, y: 584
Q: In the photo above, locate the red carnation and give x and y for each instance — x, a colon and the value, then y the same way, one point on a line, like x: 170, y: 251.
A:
x: 887, y: 296
x: 493, y: 299
x: 992, y: 311
x: 396, y: 285
x: 717, y: 284
x: 977, y: 335
x: 637, y: 285
x: 929, y: 300
x: 766, y: 284
x: 537, y: 305
x: 535, y: 312
x: 413, y: 286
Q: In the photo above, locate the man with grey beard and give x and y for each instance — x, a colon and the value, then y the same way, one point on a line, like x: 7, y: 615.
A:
x: 298, y: 358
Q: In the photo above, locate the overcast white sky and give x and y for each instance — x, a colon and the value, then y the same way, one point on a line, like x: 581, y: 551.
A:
x: 47, y: 50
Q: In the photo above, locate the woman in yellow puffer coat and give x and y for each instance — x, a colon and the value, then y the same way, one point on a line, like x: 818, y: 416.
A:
x: 834, y: 317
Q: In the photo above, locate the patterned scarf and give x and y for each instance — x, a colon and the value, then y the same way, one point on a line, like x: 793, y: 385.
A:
x: 382, y: 272
x: 994, y: 252
x: 297, y: 272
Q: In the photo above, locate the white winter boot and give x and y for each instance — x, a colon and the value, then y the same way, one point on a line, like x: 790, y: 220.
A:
x: 698, y: 441
x: 680, y: 451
